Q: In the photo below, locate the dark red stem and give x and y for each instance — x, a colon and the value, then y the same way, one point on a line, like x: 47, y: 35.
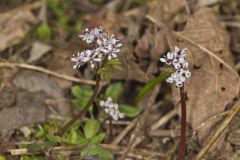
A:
x: 109, y: 139
x: 84, y: 110
x: 182, y: 142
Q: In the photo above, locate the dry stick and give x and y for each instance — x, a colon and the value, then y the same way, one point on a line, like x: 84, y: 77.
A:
x: 129, y: 127
x: 165, y: 29
x: 164, y: 119
x: 70, y: 150
x: 208, y: 121
x: 84, y: 110
x: 46, y: 71
x: 140, y: 123
x: 182, y: 142
x: 125, y: 132
x: 232, y: 112
x: 163, y: 133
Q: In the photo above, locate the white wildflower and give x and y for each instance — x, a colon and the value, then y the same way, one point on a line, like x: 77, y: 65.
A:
x: 105, y: 46
x: 91, y: 36
x: 111, y: 109
x: 178, y: 61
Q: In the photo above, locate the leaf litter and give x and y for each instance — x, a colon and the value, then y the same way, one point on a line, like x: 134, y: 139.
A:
x: 210, y: 90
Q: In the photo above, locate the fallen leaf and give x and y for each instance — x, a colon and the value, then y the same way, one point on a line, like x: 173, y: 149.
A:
x: 60, y: 63
x: 36, y: 82
x: 38, y: 50
x: 212, y: 86
x: 14, y: 25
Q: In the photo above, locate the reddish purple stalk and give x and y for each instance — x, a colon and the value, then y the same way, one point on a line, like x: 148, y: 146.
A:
x: 182, y: 142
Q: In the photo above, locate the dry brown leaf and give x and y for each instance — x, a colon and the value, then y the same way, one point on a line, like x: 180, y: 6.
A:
x: 165, y: 10
x: 212, y: 85
x: 14, y: 25
x: 60, y: 63
x: 38, y: 50
x: 33, y: 81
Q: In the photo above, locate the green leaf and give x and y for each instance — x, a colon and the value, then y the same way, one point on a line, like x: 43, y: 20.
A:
x: 128, y: 111
x: 80, y: 92
x: 114, y: 91
x: 82, y: 96
x: 98, y: 138
x: 2, y: 158
x: 53, y: 138
x: 43, y: 32
x: 40, y: 133
x: 59, y: 157
x: 91, y: 128
x: 79, y: 103
x: 32, y: 158
x: 96, y: 152
x: 72, y: 136
x: 113, y: 64
x: 150, y: 85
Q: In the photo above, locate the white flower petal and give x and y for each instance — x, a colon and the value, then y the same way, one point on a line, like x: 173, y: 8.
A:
x: 163, y: 60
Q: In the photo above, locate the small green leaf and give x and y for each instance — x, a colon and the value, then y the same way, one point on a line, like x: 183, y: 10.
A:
x: 96, y: 152
x: 40, y: 133
x: 72, y: 136
x: 150, y: 85
x: 128, y: 111
x: 80, y: 92
x: 107, y: 69
x: 25, y: 158
x: 43, y: 32
x: 91, y: 128
x: 2, y: 158
x: 82, y: 96
x: 98, y: 138
x: 114, y: 91
x: 59, y: 157
x: 53, y: 138
x: 32, y: 158
x: 79, y: 103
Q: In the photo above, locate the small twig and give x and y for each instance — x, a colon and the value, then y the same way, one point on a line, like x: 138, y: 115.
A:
x: 119, y: 122
x: 232, y: 112
x: 208, y: 120
x: 141, y: 122
x: 163, y: 133
x: 46, y: 71
x: 130, y: 127
x: 168, y: 32
x: 70, y: 150
x: 164, y: 119
x: 235, y: 24
x: 125, y: 132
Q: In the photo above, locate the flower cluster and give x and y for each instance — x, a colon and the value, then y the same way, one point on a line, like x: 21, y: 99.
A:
x: 104, y: 46
x: 111, y: 108
x: 178, y: 61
